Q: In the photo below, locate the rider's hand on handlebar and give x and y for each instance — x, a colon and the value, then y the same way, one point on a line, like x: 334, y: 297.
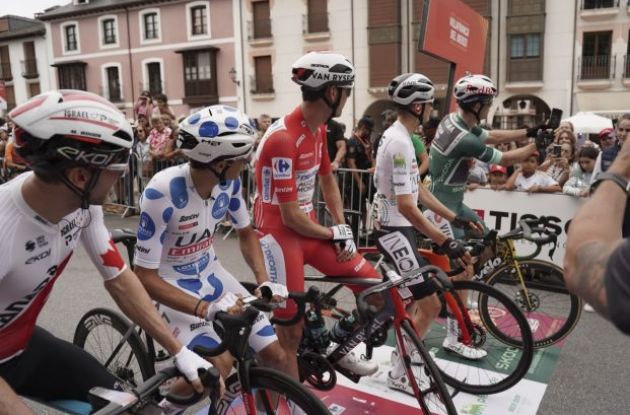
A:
x: 343, y: 239
x: 465, y: 223
x: 189, y: 362
x: 228, y: 302
x: 457, y: 252
x: 279, y: 292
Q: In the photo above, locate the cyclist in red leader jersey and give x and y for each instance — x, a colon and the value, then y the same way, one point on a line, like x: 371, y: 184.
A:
x: 291, y: 154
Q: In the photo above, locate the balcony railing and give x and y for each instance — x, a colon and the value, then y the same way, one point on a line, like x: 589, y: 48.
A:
x: 5, y: 72
x: 29, y: 68
x: 598, y: 4
x: 596, y: 67
x: 315, y: 23
x: 259, y: 29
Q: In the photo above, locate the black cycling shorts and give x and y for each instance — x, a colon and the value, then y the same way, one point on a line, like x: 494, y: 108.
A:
x: 398, y: 244
x: 52, y: 369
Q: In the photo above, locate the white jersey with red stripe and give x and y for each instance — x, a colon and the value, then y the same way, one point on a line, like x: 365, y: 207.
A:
x: 288, y: 160
x: 34, y: 252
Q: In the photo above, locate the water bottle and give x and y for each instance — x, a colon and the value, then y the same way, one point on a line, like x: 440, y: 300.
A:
x: 343, y: 328
x: 317, y: 335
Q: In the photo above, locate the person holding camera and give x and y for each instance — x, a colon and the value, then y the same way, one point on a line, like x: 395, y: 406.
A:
x: 143, y: 107
x: 559, y: 160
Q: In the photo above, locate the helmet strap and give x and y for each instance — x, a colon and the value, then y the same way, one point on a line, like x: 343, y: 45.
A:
x: 83, y: 194
x: 220, y: 174
x: 333, y: 105
x: 419, y: 116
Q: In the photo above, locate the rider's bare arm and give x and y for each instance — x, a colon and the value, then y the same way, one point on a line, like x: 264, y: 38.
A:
x: 250, y: 248
x: 293, y: 217
x: 134, y: 301
x: 332, y: 197
x: 408, y: 208
x: 505, y: 136
x: 163, y: 292
x: 11, y: 403
x: 515, y: 156
x: 429, y: 201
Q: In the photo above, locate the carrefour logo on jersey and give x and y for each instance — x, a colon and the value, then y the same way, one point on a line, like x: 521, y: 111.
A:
x: 282, y: 168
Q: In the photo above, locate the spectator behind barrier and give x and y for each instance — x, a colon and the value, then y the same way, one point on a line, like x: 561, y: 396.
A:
x: 580, y: 179
x: 528, y: 178
x: 606, y: 138
x: 559, y: 162
x: 429, y: 128
x: 162, y: 106
x: 143, y: 109
x: 476, y: 175
x: 160, y: 142
x: 497, y: 176
x: 336, y: 143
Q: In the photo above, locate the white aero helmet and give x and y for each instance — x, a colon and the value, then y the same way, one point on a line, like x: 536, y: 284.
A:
x: 474, y: 88
x: 60, y: 129
x: 216, y: 133
x: 410, y: 88
x: 317, y: 70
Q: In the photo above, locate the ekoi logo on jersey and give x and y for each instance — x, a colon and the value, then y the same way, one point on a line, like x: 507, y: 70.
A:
x: 282, y: 168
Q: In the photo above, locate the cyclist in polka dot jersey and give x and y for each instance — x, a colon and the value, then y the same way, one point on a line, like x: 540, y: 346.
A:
x: 181, y: 207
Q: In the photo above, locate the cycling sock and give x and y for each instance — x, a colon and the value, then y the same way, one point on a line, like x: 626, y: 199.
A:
x: 452, y: 329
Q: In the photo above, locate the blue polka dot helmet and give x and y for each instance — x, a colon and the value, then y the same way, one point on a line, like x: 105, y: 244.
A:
x: 216, y: 133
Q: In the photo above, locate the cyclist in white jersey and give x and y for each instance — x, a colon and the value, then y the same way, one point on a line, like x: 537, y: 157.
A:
x: 398, y: 217
x: 77, y: 145
x: 180, y: 210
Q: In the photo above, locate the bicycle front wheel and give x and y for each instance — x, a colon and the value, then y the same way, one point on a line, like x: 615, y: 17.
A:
x: 551, y: 310
x: 274, y: 393
x: 483, y: 363
x: 423, y: 375
x: 101, y: 333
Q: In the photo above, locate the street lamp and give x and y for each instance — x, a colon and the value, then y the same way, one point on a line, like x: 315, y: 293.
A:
x: 233, y: 74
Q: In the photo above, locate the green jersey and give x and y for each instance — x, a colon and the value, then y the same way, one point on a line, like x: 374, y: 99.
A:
x: 452, y: 151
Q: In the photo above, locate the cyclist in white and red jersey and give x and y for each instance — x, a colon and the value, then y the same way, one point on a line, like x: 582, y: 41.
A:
x: 77, y: 145
x: 180, y: 210
x: 290, y: 157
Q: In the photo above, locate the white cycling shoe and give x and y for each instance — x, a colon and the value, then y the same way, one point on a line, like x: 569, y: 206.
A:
x: 401, y: 383
x: 354, y: 363
x: 464, y: 351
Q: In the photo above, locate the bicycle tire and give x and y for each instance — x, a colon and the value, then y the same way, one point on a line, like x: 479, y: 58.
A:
x: 437, y: 389
x: 504, y: 365
x: 540, y: 277
x: 266, y: 379
x: 124, y: 369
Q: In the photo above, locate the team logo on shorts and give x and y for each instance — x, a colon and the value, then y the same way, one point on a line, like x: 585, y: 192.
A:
x: 282, y: 168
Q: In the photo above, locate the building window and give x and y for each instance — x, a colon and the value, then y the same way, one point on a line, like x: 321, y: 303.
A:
x: 10, y: 94
x: 317, y: 19
x: 525, y: 46
x: 109, y: 31
x: 599, y: 4
x: 5, y: 64
x: 33, y: 89
x: 71, y: 38
x: 264, y: 78
x: 112, y: 77
x: 154, y: 78
x: 72, y: 76
x: 151, y: 27
x: 198, y: 16
x: 200, y: 84
x: 596, y: 55
x: 262, y: 20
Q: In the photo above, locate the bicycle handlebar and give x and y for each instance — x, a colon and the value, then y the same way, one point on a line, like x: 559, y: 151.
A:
x: 537, y: 226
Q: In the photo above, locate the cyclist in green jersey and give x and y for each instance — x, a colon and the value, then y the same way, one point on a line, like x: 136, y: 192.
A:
x: 459, y: 139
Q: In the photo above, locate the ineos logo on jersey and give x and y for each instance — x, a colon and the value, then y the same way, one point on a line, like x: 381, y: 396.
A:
x: 400, y: 251
x: 282, y: 168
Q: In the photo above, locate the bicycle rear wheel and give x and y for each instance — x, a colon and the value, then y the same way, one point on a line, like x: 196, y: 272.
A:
x: 423, y: 374
x: 504, y: 364
x: 100, y: 331
x: 275, y: 393
x: 551, y: 310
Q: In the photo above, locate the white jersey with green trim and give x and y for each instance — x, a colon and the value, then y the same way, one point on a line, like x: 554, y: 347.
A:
x: 396, y: 174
